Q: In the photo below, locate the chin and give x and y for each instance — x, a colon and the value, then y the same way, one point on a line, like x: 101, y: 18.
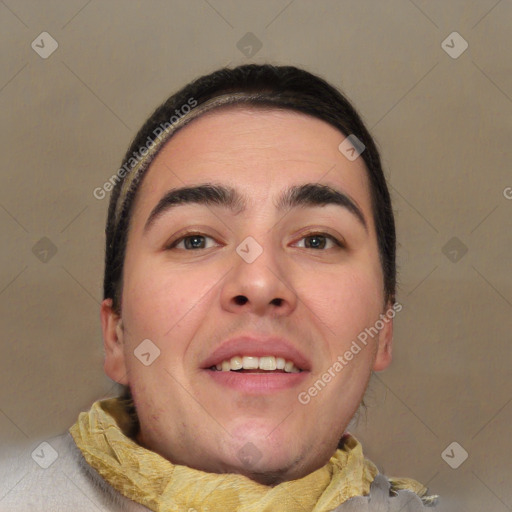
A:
x: 269, y: 469
x: 269, y: 477
x: 266, y: 460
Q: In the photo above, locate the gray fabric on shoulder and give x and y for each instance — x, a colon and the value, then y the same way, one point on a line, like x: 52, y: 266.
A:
x: 380, y: 500
x: 68, y: 483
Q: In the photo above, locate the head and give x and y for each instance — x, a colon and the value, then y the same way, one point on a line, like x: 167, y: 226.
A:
x: 237, y: 217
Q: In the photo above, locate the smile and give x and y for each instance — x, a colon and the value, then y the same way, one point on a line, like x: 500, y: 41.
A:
x: 253, y: 364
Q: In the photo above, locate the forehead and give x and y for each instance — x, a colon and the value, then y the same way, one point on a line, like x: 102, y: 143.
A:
x: 259, y: 151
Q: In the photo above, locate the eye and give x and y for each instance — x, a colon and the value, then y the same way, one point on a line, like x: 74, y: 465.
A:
x: 319, y: 240
x: 195, y: 241
x: 191, y: 241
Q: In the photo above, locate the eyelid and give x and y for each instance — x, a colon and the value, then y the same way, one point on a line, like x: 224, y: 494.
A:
x: 183, y: 235
x: 338, y: 240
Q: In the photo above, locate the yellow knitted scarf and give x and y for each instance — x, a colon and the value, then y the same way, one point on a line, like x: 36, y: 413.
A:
x: 151, y: 480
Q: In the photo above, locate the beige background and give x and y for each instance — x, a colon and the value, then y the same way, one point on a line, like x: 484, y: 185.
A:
x: 444, y: 129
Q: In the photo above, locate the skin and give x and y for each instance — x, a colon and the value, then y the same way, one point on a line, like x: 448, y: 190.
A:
x: 184, y: 299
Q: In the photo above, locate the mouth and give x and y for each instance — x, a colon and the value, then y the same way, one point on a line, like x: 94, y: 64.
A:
x: 268, y: 364
x: 253, y: 375
x: 255, y: 364
x: 257, y: 354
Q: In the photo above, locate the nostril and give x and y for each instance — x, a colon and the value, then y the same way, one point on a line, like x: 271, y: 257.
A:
x: 240, y: 300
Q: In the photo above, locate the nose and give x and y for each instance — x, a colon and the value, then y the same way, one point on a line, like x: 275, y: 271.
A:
x: 261, y: 286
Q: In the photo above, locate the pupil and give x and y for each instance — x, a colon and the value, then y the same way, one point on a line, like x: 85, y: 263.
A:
x: 316, y: 237
x: 192, y: 239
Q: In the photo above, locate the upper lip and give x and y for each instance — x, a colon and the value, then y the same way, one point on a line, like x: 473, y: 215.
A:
x: 257, y: 346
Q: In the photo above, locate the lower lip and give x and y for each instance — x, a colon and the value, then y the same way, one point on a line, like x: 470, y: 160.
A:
x: 261, y: 383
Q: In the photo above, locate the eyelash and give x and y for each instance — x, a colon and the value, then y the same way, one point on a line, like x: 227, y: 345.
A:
x: 338, y: 243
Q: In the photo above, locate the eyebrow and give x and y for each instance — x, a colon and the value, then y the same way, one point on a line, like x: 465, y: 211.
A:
x: 297, y: 196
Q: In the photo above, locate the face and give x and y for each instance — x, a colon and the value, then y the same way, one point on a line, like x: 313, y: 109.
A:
x: 207, y: 283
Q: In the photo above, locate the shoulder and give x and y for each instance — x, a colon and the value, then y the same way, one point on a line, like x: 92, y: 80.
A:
x: 383, y: 496
x: 56, y: 477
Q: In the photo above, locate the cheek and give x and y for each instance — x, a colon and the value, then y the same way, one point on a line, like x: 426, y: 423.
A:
x: 158, y: 300
x: 347, y: 301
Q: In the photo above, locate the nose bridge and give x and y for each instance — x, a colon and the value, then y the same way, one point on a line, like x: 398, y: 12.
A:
x: 260, y: 279
x: 260, y: 243
x: 258, y: 256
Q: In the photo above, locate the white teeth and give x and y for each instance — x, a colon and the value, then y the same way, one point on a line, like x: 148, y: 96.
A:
x: 236, y: 363
x: 288, y: 366
x: 266, y: 363
x: 250, y: 362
